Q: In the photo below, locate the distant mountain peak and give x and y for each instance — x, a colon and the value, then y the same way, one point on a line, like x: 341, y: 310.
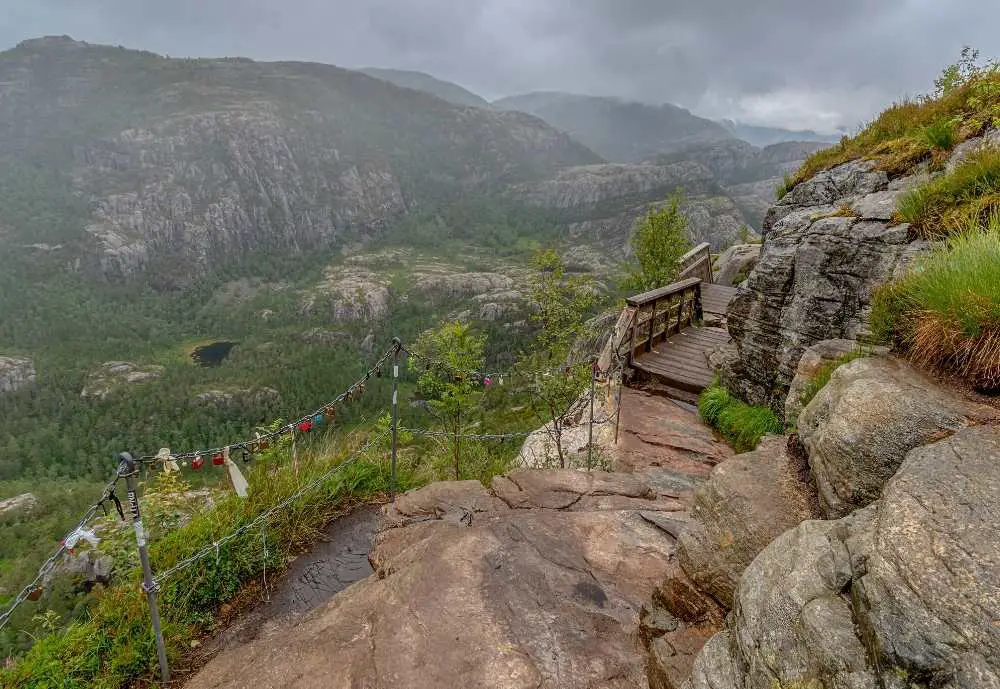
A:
x: 421, y: 81
x: 619, y: 130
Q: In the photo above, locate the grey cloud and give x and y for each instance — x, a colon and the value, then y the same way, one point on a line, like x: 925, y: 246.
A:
x: 786, y: 62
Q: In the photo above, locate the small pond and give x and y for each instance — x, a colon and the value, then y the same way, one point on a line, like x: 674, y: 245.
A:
x: 212, y: 354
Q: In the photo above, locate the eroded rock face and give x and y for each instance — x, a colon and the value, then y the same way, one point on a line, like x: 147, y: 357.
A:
x: 860, y: 426
x: 904, y: 592
x: 816, y: 274
x: 23, y: 503
x: 350, y: 294
x: 480, y: 591
x: 746, y: 503
x: 116, y: 375
x: 16, y: 373
x: 247, y: 398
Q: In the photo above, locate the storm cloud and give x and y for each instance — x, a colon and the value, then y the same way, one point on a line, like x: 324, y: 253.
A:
x: 798, y: 63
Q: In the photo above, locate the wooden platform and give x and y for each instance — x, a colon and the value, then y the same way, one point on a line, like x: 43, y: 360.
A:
x: 681, y: 361
x: 715, y: 299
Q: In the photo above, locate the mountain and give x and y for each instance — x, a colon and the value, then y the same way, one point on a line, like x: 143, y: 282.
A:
x: 123, y: 162
x: 617, y: 130
x: 419, y: 81
x: 767, y: 136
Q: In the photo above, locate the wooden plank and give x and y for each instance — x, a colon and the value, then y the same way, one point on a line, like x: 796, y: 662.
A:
x: 653, y: 295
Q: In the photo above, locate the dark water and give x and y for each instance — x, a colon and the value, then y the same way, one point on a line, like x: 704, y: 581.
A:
x: 212, y: 354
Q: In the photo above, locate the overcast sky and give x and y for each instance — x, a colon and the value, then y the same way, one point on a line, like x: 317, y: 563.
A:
x: 818, y: 64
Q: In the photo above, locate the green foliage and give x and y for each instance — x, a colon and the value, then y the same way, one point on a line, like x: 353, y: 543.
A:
x: 787, y: 182
x: 945, y: 313
x: 452, y: 354
x: 560, y: 304
x: 966, y: 97
x: 942, y: 206
x: 940, y: 135
x: 658, y: 243
x: 739, y: 423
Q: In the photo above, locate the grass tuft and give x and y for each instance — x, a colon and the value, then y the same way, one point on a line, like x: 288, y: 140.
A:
x: 741, y: 424
x: 787, y: 182
x: 942, y: 206
x: 945, y: 314
x: 940, y: 135
x: 823, y: 375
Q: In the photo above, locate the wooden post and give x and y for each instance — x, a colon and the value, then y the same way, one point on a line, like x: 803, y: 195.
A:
x: 680, y: 313
x: 699, y: 312
x: 652, y: 320
x: 395, y: 416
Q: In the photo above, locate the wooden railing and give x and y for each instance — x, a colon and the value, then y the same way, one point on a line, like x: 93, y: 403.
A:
x: 663, y: 312
x: 697, y: 263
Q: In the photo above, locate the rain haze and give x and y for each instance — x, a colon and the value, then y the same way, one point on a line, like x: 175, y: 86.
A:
x: 814, y: 64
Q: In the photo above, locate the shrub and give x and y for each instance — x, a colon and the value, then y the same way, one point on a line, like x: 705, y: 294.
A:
x: 945, y: 313
x: 943, y: 206
x: 940, y: 135
x: 741, y: 424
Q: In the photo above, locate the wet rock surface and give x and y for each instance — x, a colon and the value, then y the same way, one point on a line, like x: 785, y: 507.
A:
x: 338, y: 559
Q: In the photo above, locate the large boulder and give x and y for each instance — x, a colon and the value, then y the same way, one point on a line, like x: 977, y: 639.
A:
x: 747, y: 502
x: 533, y: 592
x: 16, y: 373
x: 735, y: 263
x: 859, y: 427
x: 811, y: 364
x: 828, y: 244
x: 902, y: 593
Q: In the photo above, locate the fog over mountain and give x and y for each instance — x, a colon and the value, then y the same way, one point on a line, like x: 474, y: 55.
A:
x: 799, y: 65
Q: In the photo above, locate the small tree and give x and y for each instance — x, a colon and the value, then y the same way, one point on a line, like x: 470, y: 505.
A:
x: 659, y: 242
x: 453, y: 353
x: 560, y: 304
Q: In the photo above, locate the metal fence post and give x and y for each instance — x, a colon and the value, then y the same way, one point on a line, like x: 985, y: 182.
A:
x: 590, y: 430
x: 128, y: 469
x: 395, y: 415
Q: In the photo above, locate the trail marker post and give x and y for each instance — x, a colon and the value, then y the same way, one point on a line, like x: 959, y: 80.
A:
x: 395, y: 415
x: 128, y: 469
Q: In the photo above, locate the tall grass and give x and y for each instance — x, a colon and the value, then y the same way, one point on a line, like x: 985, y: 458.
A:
x: 741, y: 424
x: 945, y: 313
x: 114, y: 648
x: 942, y: 206
x: 917, y: 129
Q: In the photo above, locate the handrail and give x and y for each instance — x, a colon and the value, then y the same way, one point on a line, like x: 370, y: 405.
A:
x: 697, y: 263
x: 681, y: 302
x: 661, y: 292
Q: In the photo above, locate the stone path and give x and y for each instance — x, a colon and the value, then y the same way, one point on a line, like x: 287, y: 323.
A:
x: 539, y: 581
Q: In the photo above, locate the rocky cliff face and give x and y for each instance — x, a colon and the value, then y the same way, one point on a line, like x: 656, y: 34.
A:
x: 827, y: 245
x: 178, y: 166
x: 16, y: 373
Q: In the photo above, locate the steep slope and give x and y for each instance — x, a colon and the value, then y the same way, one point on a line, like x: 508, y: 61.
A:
x: 132, y: 162
x: 419, y: 81
x: 617, y: 130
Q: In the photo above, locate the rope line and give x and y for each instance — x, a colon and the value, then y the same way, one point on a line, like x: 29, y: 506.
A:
x: 357, y: 386
x: 50, y: 563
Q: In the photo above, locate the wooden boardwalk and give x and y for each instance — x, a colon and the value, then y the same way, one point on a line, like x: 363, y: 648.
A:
x: 681, y: 360
x: 715, y: 299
